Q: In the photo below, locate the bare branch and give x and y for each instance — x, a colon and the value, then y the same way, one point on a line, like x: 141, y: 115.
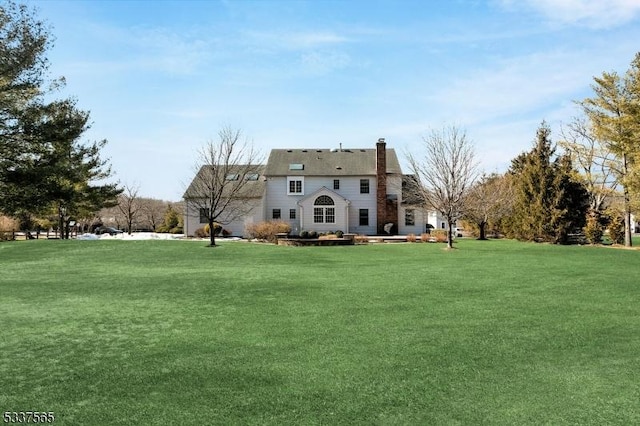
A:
x: 446, y: 170
x: 129, y: 205
x: 597, y: 164
x: 224, y: 180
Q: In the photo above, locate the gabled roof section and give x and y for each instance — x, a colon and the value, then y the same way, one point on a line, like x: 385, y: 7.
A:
x: 328, y: 162
x: 252, y: 186
x: 323, y: 191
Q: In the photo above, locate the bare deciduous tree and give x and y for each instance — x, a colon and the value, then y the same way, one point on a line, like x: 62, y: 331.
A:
x: 152, y: 212
x: 129, y: 205
x: 489, y: 200
x: 446, y: 170
x: 224, y: 179
x: 594, y: 160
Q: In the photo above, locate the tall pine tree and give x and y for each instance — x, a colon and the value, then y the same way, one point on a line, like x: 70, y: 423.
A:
x: 44, y: 166
x: 549, y: 200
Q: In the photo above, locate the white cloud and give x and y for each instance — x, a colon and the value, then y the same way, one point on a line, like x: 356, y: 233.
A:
x: 294, y: 40
x: 589, y: 13
x: 144, y: 48
x: 169, y: 51
x: 516, y: 86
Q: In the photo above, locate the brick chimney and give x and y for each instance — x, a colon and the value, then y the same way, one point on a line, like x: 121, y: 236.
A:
x: 381, y: 181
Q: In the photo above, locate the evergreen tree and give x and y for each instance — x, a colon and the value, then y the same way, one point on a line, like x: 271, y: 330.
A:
x: 44, y: 166
x: 549, y: 201
x: 172, y: 221
x: 57, y: 174
x: 23, y: 64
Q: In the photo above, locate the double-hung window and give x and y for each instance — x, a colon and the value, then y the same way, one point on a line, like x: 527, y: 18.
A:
x: 364, y: 217
x: 364, y: 186
x: 295, y: 185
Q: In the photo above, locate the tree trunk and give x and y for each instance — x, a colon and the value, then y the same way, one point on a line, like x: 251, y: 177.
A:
x: 482, y: 228
x: 212, y: 234
x: 60, y: 223
x: 627, y: 207
x: 450, y: 236
x: 628, y: 242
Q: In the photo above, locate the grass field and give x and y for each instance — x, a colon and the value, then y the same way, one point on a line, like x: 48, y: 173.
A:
x: 173, y: 332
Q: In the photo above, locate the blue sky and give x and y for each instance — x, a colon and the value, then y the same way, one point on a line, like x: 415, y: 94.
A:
x: 162, y: 77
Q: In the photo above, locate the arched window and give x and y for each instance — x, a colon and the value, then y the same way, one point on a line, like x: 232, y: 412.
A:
x: 324, y: 214
x: 324, y: 200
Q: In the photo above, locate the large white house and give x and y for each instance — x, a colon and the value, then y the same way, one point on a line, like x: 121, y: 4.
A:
x: 352, y: 190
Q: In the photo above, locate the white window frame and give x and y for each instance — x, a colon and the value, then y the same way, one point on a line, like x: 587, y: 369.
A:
x: 324, y: 210
x: 294, y: 179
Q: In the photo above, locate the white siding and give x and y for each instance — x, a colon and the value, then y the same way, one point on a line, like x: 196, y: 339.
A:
x: 236, y: 228
x: 277, y: 198
x: 340, y: 207
x: 420, y: 221
x: 191, y: 218
x: 422, y: 217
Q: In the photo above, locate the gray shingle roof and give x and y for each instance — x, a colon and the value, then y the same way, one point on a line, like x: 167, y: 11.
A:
x: 326, y: 162
x: 251, y: 188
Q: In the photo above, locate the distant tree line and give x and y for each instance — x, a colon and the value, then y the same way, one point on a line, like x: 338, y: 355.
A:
x: 134, y: 213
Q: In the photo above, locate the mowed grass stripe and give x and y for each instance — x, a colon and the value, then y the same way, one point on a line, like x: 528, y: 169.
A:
x: 160, y: 332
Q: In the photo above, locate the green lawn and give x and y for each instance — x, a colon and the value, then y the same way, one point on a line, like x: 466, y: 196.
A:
x: 173, y: 332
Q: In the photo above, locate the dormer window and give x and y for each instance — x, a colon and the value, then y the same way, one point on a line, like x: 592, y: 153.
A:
x: 232, y: 176
x: 252, y: 176
x: 296, y: 166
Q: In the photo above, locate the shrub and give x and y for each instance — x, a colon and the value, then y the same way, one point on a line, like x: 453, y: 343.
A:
x: 616, y: 230
x: 217, y: 228
x: 361, y: 239
x: 171, y: 222
x: 268, y: 230
x: 200, y: 233
x: 411, y: 238
x: 7, y: 226
x: 304, y: 234
x: 440, y: 235
x: 593, y: 230
x: 313, y: 234
x: 471, y: 227
x: 424, y: 237
x: 6, y: 236
x: 339, y: 234
x: 327, y: 236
